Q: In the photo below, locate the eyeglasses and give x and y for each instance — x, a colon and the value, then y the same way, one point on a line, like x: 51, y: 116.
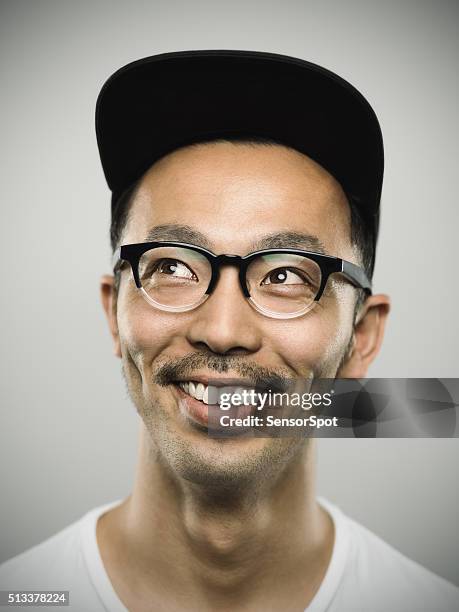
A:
x: 278, y: 283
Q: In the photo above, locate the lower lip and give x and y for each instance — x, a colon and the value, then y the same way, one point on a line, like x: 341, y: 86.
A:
x: 201, y: 413
x: 193, y: 409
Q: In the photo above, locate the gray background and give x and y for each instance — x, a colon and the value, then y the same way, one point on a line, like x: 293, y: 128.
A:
x: 68, y: 435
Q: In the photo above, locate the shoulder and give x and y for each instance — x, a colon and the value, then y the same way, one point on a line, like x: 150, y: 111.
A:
x: 58, y: 562
x: 67, y: 561
x: 41, y: 567
x: 379, y: 577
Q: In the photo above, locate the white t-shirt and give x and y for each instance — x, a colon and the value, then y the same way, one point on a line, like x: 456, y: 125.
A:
x: 364, y: 575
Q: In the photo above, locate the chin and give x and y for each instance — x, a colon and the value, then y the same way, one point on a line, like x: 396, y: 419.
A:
x: 227, y: 465
x: 184, y: 448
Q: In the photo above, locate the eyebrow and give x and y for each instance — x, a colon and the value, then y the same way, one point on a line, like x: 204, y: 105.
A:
x: 177, y: 232
x: 294, y: 240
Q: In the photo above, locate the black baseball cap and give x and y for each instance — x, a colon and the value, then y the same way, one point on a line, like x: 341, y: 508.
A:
x: 157, y: 104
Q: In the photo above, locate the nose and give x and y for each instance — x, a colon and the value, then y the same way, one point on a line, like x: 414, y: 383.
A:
x: 225, y: 323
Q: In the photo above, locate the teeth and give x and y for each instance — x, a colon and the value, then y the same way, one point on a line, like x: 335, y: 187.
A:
x: 199, y: 392
x: 196, y: 390
x: 209, y: 395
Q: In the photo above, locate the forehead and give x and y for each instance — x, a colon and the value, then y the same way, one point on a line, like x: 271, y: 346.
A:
x: 236, y: 194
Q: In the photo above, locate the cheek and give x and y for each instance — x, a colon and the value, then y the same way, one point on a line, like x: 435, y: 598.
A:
x: 316, y: 343
x: 144, y: 332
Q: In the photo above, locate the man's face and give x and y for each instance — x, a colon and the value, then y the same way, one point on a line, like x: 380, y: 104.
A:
x: 231, y: 198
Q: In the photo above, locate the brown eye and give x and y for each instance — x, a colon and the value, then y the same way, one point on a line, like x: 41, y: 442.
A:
x: 175, y: 268
x: 284, y: 276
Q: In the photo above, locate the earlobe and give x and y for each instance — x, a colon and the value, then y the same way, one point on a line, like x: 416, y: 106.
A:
x: 367, y: 337
x: 108, y: 295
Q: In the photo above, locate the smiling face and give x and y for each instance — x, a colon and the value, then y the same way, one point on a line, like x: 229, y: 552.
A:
x: 229, y: 198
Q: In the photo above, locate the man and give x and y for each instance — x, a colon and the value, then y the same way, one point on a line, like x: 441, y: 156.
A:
x: 246, y: 192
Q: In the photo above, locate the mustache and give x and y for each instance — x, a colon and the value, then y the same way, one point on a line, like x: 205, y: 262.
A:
x: 257, y: 375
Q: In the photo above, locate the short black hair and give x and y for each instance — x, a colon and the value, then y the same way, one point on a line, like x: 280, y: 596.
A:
x: 361, y: 236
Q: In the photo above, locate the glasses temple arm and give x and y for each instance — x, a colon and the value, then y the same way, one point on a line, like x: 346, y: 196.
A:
x: 116, y: 260
x: 356, y: 276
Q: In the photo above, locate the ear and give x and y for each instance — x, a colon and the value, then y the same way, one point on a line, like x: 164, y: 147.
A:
x: 109, y: 296
x: 367, y: 337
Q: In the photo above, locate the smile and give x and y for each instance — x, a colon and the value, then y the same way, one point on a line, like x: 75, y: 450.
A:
x: 213, y: 394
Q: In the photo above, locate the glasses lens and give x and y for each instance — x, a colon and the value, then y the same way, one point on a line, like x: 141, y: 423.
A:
x: 174, y: 276
x: 283, y: 283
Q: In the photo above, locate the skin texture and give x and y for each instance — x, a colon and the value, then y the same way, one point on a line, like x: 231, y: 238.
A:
x: 211, y: 515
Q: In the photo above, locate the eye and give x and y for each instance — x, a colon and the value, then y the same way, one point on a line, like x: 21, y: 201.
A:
x: 285, y: 276
x: 174, y: 268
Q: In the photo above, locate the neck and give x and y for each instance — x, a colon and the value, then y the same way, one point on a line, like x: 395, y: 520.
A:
x: 225, y: 540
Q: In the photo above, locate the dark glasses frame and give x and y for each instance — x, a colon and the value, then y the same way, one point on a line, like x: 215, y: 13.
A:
x: 328, y: 264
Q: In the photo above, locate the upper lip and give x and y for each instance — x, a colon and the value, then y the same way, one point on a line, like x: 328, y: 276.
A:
x: 230, y: 381
x: 216, y: 380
